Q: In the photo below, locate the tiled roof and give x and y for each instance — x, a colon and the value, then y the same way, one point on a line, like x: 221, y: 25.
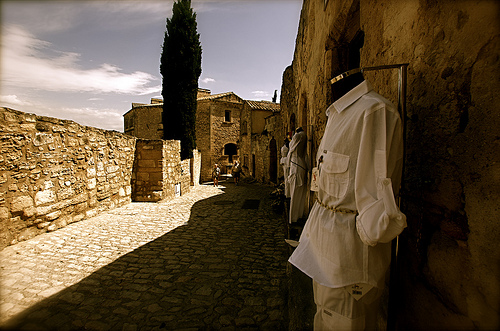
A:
x: 264, y: 105
x: 216, y: 96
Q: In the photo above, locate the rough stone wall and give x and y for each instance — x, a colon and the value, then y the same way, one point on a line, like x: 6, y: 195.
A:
x: 195, y: 168
x: 450, y: 258
x: 452, y: 173
x: 185, y: 176
x: 203, y: 132
x: 224, y: 132
x: 172, y: 168
x: 157, y: 169
x: 144, y: 122
x: 54, y: 172
x: 276, y: 130
x: 245, y: 146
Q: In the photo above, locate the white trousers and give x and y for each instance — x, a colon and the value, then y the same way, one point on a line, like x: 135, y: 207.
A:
x: 336, y: 309
x: 286, y: 172
x: 297, y: 199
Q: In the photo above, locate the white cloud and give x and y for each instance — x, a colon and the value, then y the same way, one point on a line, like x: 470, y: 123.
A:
x: 13, y: 100
x: 109, y: 119
x: 261, y: 94
x: 208, y: 80
x: 103, y: 118
x: 24, y: 64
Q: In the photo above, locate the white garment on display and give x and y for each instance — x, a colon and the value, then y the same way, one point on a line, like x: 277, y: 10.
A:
x: 346, y: 239
x: 297, y: 177
x: 286, y: 169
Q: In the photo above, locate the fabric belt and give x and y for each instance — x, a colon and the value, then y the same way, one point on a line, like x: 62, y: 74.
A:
x: 298, y: 165
x: 337, y: 210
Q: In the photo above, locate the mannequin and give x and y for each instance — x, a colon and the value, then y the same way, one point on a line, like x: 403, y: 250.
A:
x: 284, y: 164
x: 297, y: 177
x: 345, y: 82
x: 345, y: 244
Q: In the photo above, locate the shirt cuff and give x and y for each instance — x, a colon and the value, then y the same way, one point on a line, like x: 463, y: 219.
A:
x: 381, y: 221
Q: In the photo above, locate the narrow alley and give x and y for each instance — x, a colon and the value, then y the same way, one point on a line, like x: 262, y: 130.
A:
x: 213, y: 259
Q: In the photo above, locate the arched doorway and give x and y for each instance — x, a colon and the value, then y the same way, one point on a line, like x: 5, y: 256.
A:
x: 230, y: 150
x: 230, y: 155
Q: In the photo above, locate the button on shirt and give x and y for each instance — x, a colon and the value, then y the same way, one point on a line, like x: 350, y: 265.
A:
x: 346, y: 239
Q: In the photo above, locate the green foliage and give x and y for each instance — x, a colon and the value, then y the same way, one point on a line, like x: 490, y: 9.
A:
x: 180, y: 68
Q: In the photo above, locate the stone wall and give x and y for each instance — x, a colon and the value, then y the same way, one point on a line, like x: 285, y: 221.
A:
x: 213, y: 132
x: 144, y: 121
x: 224, y: 132
x: 54, y: 172
x: 450, y: 258
x: 157, y: 170
x: 203, y: 132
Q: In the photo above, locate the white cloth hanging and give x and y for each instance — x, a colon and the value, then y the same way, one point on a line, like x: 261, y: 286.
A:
x: 286, y: 169
x: 297, y: 175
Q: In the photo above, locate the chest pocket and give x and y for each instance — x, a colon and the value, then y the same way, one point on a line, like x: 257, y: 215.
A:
x: 334, y: 174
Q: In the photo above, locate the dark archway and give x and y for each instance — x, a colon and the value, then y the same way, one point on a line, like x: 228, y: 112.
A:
x: 230, y: 150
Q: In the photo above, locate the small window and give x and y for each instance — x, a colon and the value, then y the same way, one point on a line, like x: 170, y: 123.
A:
x: 244, y: 127
x: 227, y: 117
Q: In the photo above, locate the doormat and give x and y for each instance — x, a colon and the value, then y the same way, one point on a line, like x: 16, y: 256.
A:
x: 251, y: 204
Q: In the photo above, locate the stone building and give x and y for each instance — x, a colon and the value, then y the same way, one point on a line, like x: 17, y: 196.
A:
x: 449, y: 258
x: 227, y: 127
x: 258, y: 145
x: 145, y: 120
x: 218, y: 131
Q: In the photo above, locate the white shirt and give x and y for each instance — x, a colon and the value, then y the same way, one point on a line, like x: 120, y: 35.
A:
x: 284, y: 154
x: 296, y: 159
x: 360, y: 164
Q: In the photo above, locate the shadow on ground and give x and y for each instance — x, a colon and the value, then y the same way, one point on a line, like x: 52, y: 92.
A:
x: 224, y: 270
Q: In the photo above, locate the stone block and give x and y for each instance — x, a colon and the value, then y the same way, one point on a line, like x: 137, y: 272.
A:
x: 20, y: 203
x: 147, y: 164
x: 44, y: 197
x: 91, y: 184
x: 28, y: 233
x: 52, y: 216
x: 42, y: 225
x: 91, y: 172
x: 4, y: 213
x: 65, y: 193
x: 30, y: 211
x: 58, y: 223
x: 78, y: 218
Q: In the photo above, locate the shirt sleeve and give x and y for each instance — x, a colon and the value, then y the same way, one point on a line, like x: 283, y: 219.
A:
x: 378, y: 176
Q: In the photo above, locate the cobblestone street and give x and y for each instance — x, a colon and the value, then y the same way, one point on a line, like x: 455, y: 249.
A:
x: 213, y: 259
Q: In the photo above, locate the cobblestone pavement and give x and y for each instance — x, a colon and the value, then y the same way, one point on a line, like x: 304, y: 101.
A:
x: 203, y: 261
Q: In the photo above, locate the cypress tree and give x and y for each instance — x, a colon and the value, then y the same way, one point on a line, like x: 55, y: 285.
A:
x: 180, y: 68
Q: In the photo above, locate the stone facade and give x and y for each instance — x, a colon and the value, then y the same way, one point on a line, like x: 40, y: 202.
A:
x: 144, y: 121
x: 54, y: 172
x: 449, y: 255
x: 218, y: 131
x: 258, y: 147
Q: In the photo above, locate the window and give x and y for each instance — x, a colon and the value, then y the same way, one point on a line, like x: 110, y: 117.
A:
x: 227, y: 117
x: 244, y: 127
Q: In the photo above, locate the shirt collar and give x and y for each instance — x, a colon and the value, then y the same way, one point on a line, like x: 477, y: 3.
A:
x: 350, y: 97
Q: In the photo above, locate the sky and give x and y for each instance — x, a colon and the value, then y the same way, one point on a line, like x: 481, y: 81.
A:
x: 88, y: 61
